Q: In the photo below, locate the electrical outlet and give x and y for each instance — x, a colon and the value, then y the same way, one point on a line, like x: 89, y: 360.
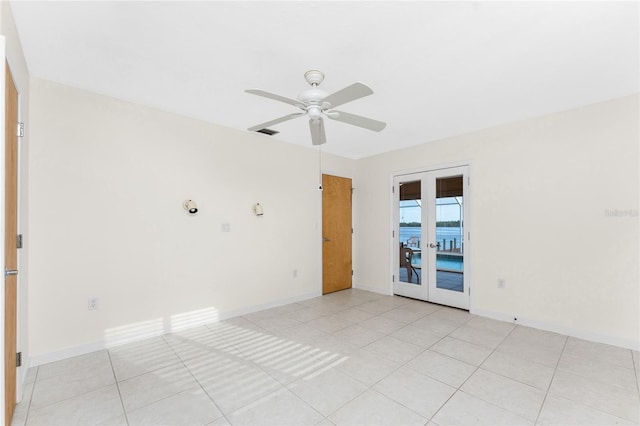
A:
x: 93, y: 304
x: 501, y: 283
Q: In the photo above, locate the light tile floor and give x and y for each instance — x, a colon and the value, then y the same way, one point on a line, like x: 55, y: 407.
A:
x: 348, y: 358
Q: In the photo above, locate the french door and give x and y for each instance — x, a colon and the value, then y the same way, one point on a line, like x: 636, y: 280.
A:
x: 430, y: 239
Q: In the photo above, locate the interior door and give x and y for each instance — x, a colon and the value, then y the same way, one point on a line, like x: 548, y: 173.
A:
x: 336, y: 233
x: 430, y: 239
x: 11, y: 253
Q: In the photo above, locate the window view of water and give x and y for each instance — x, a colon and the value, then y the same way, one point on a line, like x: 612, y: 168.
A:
x: 450, y: 237
x: 442, y: 233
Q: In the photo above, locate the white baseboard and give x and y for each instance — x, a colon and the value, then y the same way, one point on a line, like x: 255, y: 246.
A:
x: 269, y: 305
x: 378, y: 290
x: 65, y: 353
x: 83, y: 349
x: 104, y: 344
x: 557, y: 328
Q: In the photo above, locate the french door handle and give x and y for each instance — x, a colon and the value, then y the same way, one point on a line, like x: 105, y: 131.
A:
x: 9, y: 272
x: 433, y: 245
x: 325, y: 239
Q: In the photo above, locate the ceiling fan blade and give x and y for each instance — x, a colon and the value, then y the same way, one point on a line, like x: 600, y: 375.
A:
x: 348, y: 94
x: 273, y: 96
x: 317, y: 131
x: 357, y: 120
x: 276, y: 121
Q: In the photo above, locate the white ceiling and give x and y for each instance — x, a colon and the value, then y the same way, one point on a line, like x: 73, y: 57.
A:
x: 438, y: 69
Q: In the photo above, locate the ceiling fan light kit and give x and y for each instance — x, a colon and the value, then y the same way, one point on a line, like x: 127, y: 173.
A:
x: 316, y: 104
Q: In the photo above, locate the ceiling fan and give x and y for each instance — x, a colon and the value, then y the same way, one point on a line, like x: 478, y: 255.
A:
x: 315, y: 103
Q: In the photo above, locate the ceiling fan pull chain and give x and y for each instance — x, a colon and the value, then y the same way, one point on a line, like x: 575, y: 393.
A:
x: 319, y: 167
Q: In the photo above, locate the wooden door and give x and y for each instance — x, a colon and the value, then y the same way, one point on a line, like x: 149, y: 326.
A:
x: 336, y: 233
x: 10, y: 245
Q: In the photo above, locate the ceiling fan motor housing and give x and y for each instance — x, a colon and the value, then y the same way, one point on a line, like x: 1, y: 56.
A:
x: 313, y: 96
x: 312, y: 99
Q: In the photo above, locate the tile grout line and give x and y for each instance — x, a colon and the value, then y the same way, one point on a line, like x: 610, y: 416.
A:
x: 371, y: 387
x: 35, y: 379
x: 636, y: 373
x: 295, y: 395
x: 196, y: 379
x: 426, y: 375
x: 286, y: 386
x: 68, y: 398
x: 160, y: 367
x: 555, y: 370
x: 508, y: 354
x: 113, y: 371
x: 367, y: 388
x: 459, y: 388
x: 353, y: 378
x: 635, y: 370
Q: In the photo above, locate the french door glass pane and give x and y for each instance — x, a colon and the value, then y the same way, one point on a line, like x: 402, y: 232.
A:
x: 410, y: 229
x: 449, y: 233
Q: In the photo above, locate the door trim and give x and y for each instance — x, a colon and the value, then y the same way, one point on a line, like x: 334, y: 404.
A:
x: 20, y: 371
x: 469, y: 222
x: 2, y: 215
x: 12, y: 147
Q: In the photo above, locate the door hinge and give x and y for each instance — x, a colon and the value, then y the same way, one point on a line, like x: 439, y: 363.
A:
x: 20, y: 129
x: 468, y: 235
x: 393, y: 278
x: 352, y: 272
x: 352, y: 230
x: 19, y: 359
x: 393, y: 189
x: 19, y: 241
x: 393, y: 234
x: 468, y: 180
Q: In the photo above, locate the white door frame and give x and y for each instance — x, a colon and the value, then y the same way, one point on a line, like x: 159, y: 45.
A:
x: 419, y: 291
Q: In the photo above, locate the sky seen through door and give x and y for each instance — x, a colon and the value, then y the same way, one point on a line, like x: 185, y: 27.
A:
x: 447, y: 209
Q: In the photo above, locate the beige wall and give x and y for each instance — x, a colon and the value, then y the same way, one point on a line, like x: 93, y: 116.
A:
x: 107, y: 182
x: 108, y: 178
x: 541, y: 195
